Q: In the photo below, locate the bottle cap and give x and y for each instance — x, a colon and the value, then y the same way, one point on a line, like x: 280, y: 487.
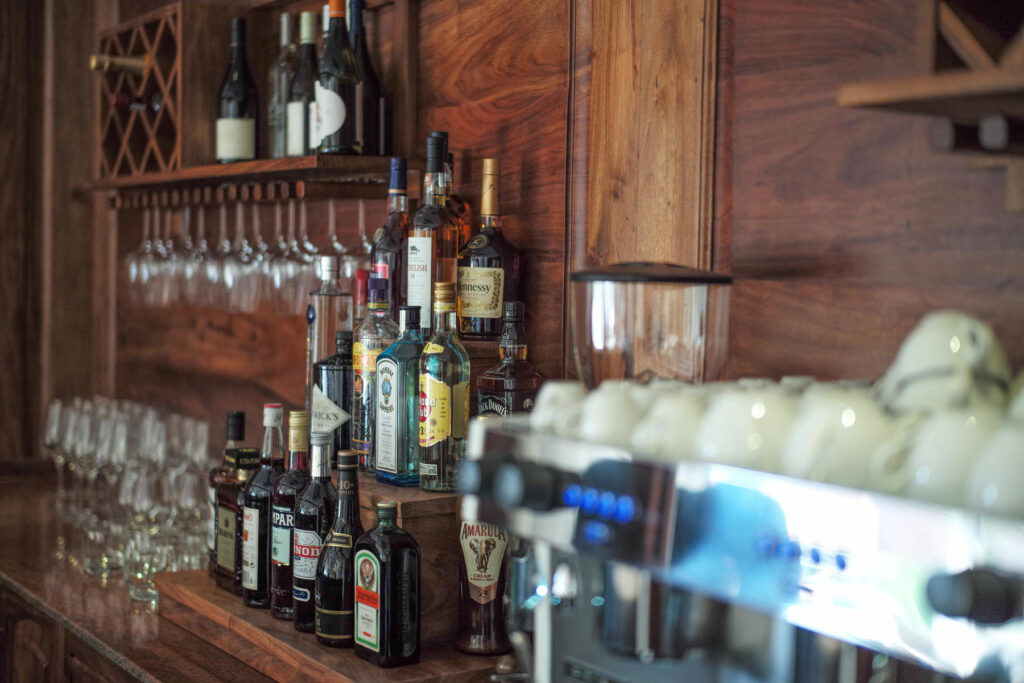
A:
x: 337, y: 8
x: 342, y: 337
x: 435, y: 154
x: 273, y: 414
x: 348, y: 460
x: 236, y: 426
x: 237, y: 31
x: 489, y: 189
x: 298, y: 430
x: 285, y: 35
x: 444, y: 291
x: 492, y: 167
x: 325, y: 18
x: 409, y: 317
x: 441, y: 135
x: 399, y: 175
x: 321, y: 438
x: 513, y: 311
x: 329, y: 267
x: 307, y: 28
x: 387, y: 509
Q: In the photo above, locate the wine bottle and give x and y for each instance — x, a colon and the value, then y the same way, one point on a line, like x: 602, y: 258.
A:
x: 370, y: 114
x: 124, y: 102
x: 314, y: 516
x: 239, y: 106
x: 387, y: 259
x: 335, y: 573
x: 336, y: 89
x: 135, y: 64
x: 256, y: 515
x: 302, y: 139
x: 281, y: 75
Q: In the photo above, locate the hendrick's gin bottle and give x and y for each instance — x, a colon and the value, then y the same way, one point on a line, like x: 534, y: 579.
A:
x: 335, y: 573
x: 314, y: 513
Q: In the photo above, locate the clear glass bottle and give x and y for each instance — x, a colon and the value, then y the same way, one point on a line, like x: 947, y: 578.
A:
x: 511, y: 386
x: 256, y: 513
x: 234, y: 435
x: 375, y: 333
x: 444, y: 396
x: 314, y: 516
x: 335, y: 572
x: 301, y: 113
x: 287, y: 489
x: 387, y: 258
x: 281, y: 75
x: 332, y: 393
x: 398, y: 368
x: 330, y: 310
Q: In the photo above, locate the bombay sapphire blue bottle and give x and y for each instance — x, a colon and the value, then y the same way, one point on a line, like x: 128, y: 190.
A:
x: 397, y: 404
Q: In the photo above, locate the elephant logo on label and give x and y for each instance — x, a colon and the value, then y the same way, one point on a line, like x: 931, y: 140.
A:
x: 482, y: 548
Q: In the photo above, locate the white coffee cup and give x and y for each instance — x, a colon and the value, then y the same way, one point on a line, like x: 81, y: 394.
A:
x: 667, y: 430
x: 609, y: 414
x: 996, y: 484
x: 745, y: 427
x: 557, y: 407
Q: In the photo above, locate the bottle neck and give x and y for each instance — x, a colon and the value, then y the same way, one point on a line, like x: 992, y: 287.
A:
x: 321, y: 465
x: 444, y: 318
x: 307, y: 52
x: 435, y: 190
x: 512, y: 346
x: 490, y: 224
x: 355, y: 19
x: 273, y: 446
x: 378, y: 309
x: 398, y: 203
x: 298, y: 460
x: 238, y: 55
x: 387, y: 522
x: 348, y: 496
x: 337, y: 33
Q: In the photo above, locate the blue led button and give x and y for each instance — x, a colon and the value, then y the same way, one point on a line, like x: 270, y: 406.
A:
x: 841, y: 561
x: 815, y: 556
x: 625, y: 510
x: 790, y: 550
x: 606, y: 505
x: 572, y: 494
x: 589, y: 501
x: 596, y: 533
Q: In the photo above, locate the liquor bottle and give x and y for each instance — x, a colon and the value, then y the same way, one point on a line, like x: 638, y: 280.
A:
x: 387, y: 592
x: 370, y: 114
x: 282, y: 508
x: 222, y: 474
x: 242, y: 464
x: 335, y: 572
x: 433, y: 238
x: 511, y: 386
x: 444, y: 396
x: 256, y: 513
x: 281, y: 75
x: 127, y: 103
x: 336, y: 89
x: 483, y: 577
x: 397, y: 429
x: 238, y: 122
x: 390, y: 241
x: 332, y: 393
x: 490, y: 268
x: 329, y: 310
x: 134, y: 64
x: 301, y: 113
x: 375, y: 333
x: 314, y: 516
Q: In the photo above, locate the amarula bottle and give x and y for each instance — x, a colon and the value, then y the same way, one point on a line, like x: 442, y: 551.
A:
x: 483, y: 576
x: 332, y: 392
x: 433, y: 245
x: 238, y: 121
x: 335, y: 572
x: 314, y: 514
x: 242, y: 463
x: 336, y: 89
x: 256, y: 513
x: 444, y: 396
x: 301, y: 113
x: 398, y: 369
x: 387, y: 259
x: 375, y: 333
x: 387, y: 592
x: 234, y: 435
x: 370, y: 115
x: 511, y: 386
x: 490, y: 268
x: 281, y: 75
x: 286, y: 490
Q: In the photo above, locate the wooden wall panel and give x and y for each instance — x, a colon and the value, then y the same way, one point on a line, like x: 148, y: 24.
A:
x: 841, y: 227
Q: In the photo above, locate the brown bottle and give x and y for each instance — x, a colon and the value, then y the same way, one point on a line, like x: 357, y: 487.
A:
x: 222, y: 474
x: 483, y: 576
x: 242, y: 464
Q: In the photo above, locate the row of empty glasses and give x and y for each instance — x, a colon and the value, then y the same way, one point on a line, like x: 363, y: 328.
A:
x: 131, y: 488
x: 229, y: 265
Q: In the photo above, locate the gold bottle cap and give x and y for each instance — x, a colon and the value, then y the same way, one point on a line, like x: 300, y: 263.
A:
x: 387, y: 505
x: 444, y: 291
x: 298, y: 431
x: 489, y: 191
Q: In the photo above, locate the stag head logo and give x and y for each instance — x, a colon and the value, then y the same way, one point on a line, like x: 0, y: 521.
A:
x: 482, y: 548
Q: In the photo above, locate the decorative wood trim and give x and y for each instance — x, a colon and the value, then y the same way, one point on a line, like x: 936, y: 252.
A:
x: 963, y: 41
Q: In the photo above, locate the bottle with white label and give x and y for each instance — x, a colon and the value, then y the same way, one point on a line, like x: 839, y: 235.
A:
x: 238, y: 119
x: 336, y: 87
x: 256, y: 515
x: 314, y: 514
x: 332, y: 393
x: 301, y: 112
x: 398, y: 367
x: 387, y: 592
x: 222, y: 474
x: 242, y: 463
x: 287, y: 489
x: 483, y: 577
x: 376, y: 332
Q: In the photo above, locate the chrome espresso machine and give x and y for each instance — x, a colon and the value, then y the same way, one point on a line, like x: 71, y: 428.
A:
x: 626, y: 569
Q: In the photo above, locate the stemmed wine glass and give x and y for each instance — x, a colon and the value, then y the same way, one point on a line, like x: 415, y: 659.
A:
x: 137, y: 263
x: 195, y: 286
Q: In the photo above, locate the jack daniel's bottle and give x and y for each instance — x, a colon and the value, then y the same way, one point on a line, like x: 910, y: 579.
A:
x: 511, y: 386
x: 483, y: 576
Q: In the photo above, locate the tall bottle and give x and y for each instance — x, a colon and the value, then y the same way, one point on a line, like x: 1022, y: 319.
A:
x: 256, y: 513
x: 336, y: 89
x: 330, y: 310
x: 433, y: 239
x: 375, y: 333
x: 314, y: 515
x: 387, y: 592
x: 511, y: 386
x: 234, y: 436
x: 335, y: 573
x: 490, y: 267
x: 238, y: 122
x: 282, y: 501
x: 281, y: 75
x: 391, y: 240
x: 332, y: 392
x: 456, y: 205
x: 444, y: 396
x: 301, y: 113
x: 370, y: 112
x: 483, y: 577
x: 242, y: 464
x: 398, y: 400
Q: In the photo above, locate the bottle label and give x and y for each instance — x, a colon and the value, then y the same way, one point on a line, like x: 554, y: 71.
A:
x: 211, y: 534
x: 314, y: 134
x: 236, y: 139
x: 364, y: 393
x: 460, y: 409
x: 307, y: 552
x: 250, y: 547
x: 387, y: 415
x: 297, y: 120
x: 381, y: 269
x: 483, y: 549
x: 226, y: 538
x: 283, y: 520
x: 428, y: 469
x: 481, y: 291
x: 368, y: 600
x: 435, y: 411
x: 333, y: 624
x: 326, y: 415
x: 420, y: 251
x: 330, y: 111
x: 504, y: 403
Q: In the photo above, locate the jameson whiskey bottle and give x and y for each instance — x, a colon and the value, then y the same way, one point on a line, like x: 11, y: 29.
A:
x: 256, y: 513
x: 483, y: 576
x: 242, y: 464
x: 222, y: 474
x: 375, y: 333
x: 332, y: 392
x: 387, y: 592
x: 511, y: 386
x: 314, y: 514
x: 398, y: 370
x: 444, y: 396
x: 387, y: 258
x: 282, y: 509
x: 490, y: 268
x: 335, y: 573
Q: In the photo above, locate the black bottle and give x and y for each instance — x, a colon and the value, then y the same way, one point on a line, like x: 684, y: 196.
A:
x: 256, y: 515
x: 335, y: 574
x: 314, y: 514
x: 332, y: 393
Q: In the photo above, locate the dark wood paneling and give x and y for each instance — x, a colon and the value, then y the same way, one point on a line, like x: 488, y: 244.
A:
x: 842, y: 227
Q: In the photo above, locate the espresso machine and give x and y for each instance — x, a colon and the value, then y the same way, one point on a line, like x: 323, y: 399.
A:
x: 634, y: 569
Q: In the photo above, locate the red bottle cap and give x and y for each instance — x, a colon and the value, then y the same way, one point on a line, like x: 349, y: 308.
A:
x: 362, y: 282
